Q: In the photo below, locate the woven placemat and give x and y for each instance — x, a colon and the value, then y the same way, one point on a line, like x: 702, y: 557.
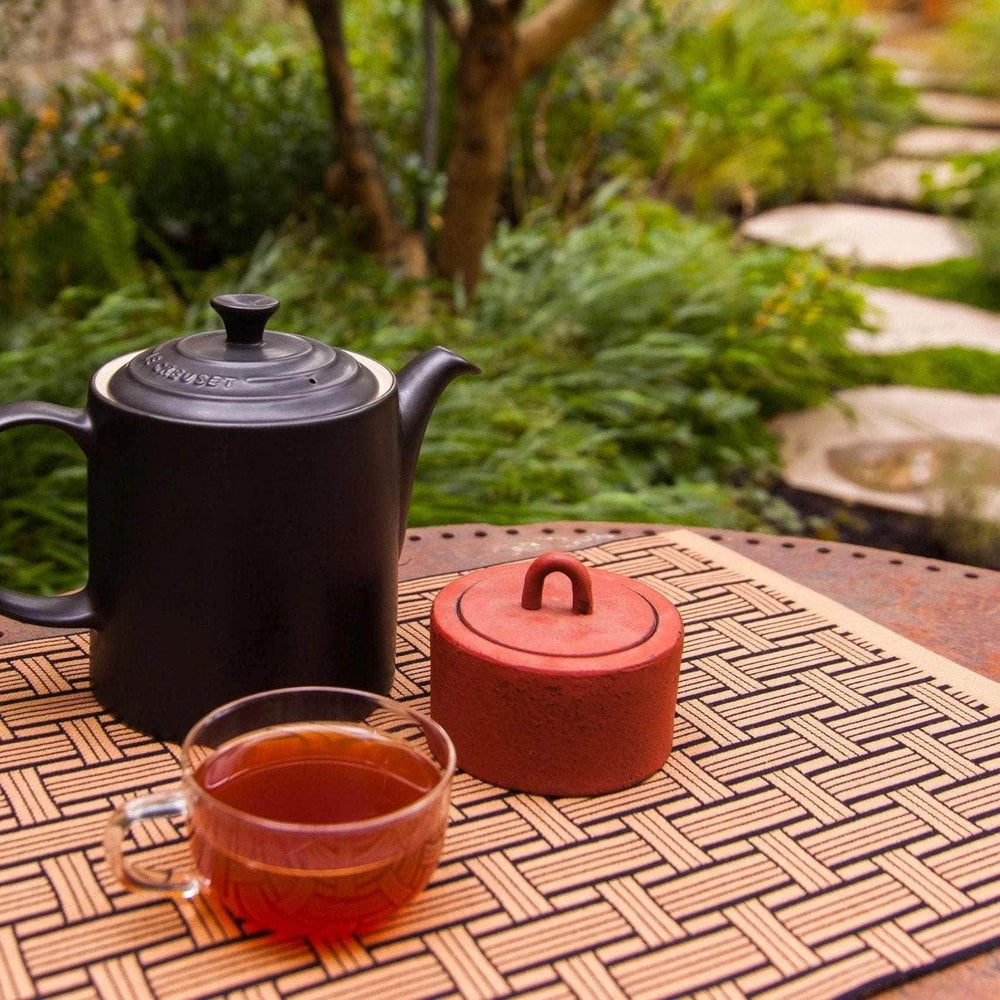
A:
x: 828, y: 823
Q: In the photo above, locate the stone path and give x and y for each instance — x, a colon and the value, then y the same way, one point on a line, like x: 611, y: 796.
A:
x: 912, y: 47
x: 918, y: 451
x: 899, y: 448
x: 897, y: 181
x: 870, y: 235
x: 939, y: 141
x: 908, y: 321
x: 960, y: 109
x: 963, y: 124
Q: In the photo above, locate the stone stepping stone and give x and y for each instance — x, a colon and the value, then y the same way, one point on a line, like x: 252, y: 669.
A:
x: 899, y: 181
x: 910, y: 46
x: 939, y: 141
x: 932, y: 79
x: 960, y: 109
x: 914, y: 49
x: 907, y: 322
x: 870, y: 235
x: 919, y: 451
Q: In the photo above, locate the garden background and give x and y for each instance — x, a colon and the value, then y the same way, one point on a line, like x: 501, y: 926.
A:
x: 633, y: 345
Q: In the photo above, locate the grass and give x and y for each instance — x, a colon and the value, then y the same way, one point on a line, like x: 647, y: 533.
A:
x: 961, y: 280
x: 962, y: 369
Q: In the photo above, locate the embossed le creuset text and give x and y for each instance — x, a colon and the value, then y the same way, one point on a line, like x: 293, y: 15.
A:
x: 163, y: 368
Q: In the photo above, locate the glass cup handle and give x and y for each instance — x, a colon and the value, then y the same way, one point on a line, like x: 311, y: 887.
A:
x: 146, y: 807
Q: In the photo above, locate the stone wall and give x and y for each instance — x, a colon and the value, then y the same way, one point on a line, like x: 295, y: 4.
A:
x: 42, y: 41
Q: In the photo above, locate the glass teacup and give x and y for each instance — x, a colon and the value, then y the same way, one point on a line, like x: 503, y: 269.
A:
x: 311, y: 811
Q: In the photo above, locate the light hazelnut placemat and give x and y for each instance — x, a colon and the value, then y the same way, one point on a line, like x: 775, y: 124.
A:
x: 828, y: 822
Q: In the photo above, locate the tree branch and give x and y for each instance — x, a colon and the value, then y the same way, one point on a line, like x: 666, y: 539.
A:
x: 544, y: 36
x: 358, y: 182
x: 453, y: 20
x: 429, y: 115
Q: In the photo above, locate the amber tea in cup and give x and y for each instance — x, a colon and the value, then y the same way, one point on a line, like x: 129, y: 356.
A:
x: 312, y: 811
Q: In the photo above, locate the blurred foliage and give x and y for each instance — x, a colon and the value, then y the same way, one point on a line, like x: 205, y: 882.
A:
x: 634, y: 363
x: 973, y: 195
x: 387, y: 56
x: 717, y: 103
x: 983, y: 215
x: 630, y: 364
x: 59, y: 156
x: 234, y: 130
x: 214, y: 140
x: 631, y: 357
x: 189, y: 157
x: 970, y: 48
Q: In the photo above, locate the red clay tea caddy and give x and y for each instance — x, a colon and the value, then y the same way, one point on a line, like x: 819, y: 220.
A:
x: 555, y: 678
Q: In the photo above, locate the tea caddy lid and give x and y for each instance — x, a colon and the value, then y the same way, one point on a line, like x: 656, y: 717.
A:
x: 247, y: 374
x: 583, y: 615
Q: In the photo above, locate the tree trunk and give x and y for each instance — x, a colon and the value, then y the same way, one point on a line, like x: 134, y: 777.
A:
x: 496, y: 57
x: 488, y: 85
x: 429, y: 117
x: 355, y: 180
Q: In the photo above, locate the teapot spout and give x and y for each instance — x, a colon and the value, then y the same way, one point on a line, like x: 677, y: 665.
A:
x: 420, y: 384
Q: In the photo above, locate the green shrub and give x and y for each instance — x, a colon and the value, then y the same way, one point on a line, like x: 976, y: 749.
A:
x: 629, y: 364
x: 984, y: 210
x: 971, y: 45
x: 233, y: 132
x: 634, y: 362
x: 974, y: 197
x: 191, y: 156
x: 719, y: 104
x: 66, y: 220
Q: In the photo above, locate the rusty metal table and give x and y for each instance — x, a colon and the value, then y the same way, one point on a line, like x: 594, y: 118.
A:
x: 951, y: 609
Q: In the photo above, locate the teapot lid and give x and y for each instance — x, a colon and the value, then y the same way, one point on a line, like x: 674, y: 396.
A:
x: 247, y: 374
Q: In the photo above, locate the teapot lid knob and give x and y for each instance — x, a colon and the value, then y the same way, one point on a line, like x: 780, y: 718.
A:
x: 244, y: 316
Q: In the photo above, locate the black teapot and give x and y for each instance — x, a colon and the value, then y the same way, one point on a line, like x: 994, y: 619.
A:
x: 247, y: 499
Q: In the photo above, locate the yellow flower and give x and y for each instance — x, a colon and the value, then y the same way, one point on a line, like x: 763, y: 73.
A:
x: 100, y: 177
x: 54, y: 197
x: 48, y: 117
x: 132, y: 100
x: 110, y: 151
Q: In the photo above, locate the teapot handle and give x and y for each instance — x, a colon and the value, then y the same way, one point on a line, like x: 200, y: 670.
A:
x: 64, y: 610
